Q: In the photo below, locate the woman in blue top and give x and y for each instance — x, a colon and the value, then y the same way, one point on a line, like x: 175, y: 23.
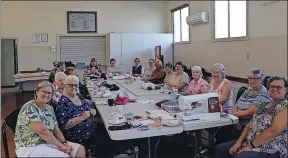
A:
x: 74, y: 113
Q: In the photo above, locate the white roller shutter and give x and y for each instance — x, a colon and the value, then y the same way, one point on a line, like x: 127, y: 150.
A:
x: 80, y: 49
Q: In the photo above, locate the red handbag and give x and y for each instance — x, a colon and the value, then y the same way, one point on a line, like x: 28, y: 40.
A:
x: 121, y: 100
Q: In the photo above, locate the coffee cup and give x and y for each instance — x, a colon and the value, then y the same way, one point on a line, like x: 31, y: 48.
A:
x: 116, y: 117
x: 119, y: 109
x: 110, y: 102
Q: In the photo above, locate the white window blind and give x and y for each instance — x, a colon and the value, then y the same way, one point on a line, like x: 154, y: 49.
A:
x: 80, y: 49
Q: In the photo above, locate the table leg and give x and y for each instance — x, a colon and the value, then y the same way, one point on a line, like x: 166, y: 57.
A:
x: 149, y: 152
x: 155, y: 153
x: 20, y: 87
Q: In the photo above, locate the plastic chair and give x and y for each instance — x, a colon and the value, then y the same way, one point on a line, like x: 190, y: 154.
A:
x: 10, y: 121
x: 240, y: 92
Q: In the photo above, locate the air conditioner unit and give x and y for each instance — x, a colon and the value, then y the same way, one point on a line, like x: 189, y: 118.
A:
x: 197, y: 18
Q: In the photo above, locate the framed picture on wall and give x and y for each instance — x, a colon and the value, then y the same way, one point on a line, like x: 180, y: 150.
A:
x: 81, y: 22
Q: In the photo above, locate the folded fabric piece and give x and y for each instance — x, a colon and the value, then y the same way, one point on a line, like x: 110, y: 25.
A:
x: 144, y: 101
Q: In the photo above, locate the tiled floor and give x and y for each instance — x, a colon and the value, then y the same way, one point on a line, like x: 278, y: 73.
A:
x: 168, y: 147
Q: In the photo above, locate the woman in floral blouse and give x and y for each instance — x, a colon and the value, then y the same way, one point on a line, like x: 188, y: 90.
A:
x: 37, y: 133
x: 266, y: 134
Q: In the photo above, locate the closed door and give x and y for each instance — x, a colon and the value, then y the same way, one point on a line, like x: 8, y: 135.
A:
x: 9, y: 64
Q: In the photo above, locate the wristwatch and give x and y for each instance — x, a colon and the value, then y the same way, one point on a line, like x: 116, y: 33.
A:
x: 251, y: 144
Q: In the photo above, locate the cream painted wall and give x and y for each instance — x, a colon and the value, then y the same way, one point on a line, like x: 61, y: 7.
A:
x: 266, y: 49
x: 23, y: 18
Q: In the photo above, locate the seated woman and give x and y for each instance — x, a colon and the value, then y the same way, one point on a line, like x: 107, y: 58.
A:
x: 198, y: 85
x: 148, y: 71
x: 93, y: 68
x: 76, y: 118
x: 113, y: 68
x: 168, y: 72
x: 137, y: 69
x: 60, y: 78
x: 157, y: 74
x: 221, y: 86
x: 255, y: 95
x: 55, y: 64
x: 37, y: 133
x: 51, y: 77
x: 178, y: 79
x: 70, y: 71
x: 73, y: 113
x: 265, y: 136
x: 61, y: 66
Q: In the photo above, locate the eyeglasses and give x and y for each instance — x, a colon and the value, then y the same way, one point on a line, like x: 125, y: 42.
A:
x: 251, y: 78
x: 273, y: 87
x: 73, y: 85
x: 46, y: 92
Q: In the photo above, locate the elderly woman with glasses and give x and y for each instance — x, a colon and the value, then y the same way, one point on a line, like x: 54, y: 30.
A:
x: 198, y: 85
x: 265, y: 136
x: 37, y: 133
x: 76, y: 118
x: 255, y: 95
x: 74, y: 113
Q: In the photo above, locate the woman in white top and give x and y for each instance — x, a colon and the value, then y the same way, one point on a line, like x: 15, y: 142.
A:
x: 113, y: 68
x: 148, y: 71
x: 221, y: 86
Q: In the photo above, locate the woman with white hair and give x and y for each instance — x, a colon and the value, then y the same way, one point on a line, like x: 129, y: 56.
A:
x: 220, y: 85
x: 75, y: 118
x: 74, y: 113
x: 37, y: 132
x: 60, y: 77
x: 198, y: 85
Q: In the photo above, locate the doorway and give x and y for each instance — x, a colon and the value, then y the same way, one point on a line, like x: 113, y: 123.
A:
x: 9, y: 62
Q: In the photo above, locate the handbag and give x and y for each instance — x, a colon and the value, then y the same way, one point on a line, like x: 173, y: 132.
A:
x: 119, y: 100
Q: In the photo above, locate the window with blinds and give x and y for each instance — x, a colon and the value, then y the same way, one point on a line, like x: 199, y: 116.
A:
x: 80, y: 49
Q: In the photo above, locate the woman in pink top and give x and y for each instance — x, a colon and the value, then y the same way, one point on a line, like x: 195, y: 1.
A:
x: 198, y: 85
x: 221, y: 86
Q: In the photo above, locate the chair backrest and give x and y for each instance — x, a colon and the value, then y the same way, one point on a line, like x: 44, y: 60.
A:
x: 265, y: 81
x: 240, y: 92
x: 10, y: 121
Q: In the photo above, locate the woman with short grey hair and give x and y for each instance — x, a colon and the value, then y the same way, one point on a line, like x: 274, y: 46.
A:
x: 265, y: 136
x: 221, y: 86
x: 198, y: 85
x: 59, y: 84
x: 253, y: 96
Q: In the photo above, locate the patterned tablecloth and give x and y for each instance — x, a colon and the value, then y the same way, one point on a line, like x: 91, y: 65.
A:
x: 31, y: 76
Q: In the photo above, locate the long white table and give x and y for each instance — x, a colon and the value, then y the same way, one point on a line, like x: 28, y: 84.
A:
x: 139, y: 109
x: 136, y: 89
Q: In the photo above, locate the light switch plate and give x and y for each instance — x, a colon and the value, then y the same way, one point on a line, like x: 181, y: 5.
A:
x: 53, y: 49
